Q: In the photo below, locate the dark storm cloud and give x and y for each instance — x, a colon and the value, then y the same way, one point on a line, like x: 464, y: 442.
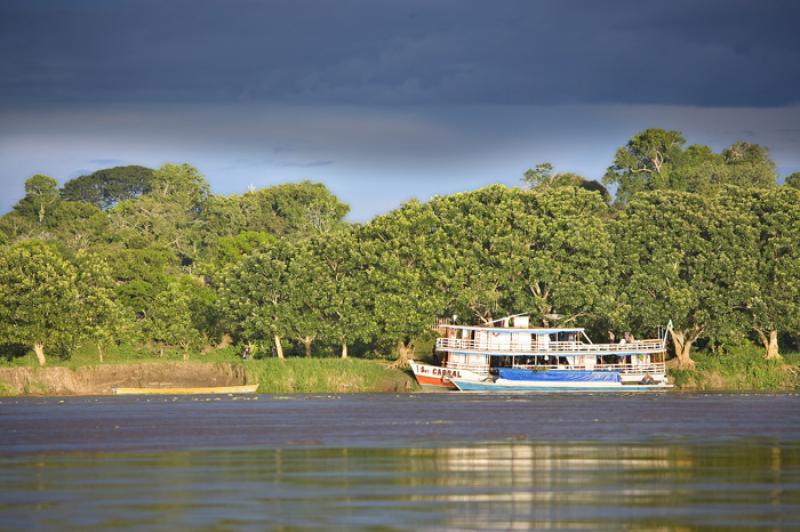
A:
x: 723, y: 53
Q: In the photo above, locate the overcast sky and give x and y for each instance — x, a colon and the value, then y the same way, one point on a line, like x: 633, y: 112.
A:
x: 384, y: 101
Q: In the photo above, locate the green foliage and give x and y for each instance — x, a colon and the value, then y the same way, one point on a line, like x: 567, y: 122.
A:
x: 749, y: 165
x: 109, y: 186
x: 769, y: 235
x: 291, y: 210
x: 542, y: 178
x: 169, y: 321
x: 41, y: 195
x: 257, y: 295
x: 792, y: 180
x: 655, y: 159
x: 40, y: 298
x: 340, y: 283
x: 102, y: 318
x: 678, y: 257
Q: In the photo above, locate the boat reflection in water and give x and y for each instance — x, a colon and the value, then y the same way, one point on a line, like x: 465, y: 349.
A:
x: 497, y: 486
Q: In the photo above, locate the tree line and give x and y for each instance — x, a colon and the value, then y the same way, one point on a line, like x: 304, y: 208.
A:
x: 708, y: 240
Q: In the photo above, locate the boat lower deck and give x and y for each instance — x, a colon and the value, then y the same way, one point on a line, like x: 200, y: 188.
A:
x: 505, y: 386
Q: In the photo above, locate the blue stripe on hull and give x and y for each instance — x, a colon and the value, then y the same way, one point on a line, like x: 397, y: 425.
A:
x: 469, y: 386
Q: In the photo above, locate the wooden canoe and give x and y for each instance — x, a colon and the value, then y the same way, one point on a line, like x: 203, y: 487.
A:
x: 248, y: 388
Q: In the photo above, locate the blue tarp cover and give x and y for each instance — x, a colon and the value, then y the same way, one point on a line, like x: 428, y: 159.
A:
x: 559, y: 375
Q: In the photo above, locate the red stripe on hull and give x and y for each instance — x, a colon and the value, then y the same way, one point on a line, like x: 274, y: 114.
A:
x: 434, y: 381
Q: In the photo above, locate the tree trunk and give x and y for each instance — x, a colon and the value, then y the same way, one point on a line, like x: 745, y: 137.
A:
x: 38, y: 348
x: 344, y: 349
x: 771, y: 344
x: 100, y: 351
x: 402, y: 355
x: 683, y: 350
x: 307, y: 345
x: 278, y: 347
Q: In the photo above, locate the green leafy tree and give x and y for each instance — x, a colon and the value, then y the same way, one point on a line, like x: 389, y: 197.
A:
x: 770, y: 235
x: 792, y: 180
x: 295, y: 209
x: 678, y: 259
x: 169, y: 216
x: 255, y: 295
x: 40, y: 301
x: 341, y: 282
x: 399, y: 254
x: 41, y: 197
x: 181, y: 183
x: 562, y: 272
x: 749, y: 165
x: 645, y: 162
x: 169, y: 321
x: 101, y: 318
x: 542, y: 178
x: 107, y: 187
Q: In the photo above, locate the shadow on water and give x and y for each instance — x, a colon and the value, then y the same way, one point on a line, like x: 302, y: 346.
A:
x: 497, y: 486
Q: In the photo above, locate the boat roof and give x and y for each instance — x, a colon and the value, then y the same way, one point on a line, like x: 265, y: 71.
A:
x: 535, y: 330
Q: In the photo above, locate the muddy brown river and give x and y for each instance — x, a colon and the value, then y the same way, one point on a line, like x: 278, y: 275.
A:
x: 400, y: 462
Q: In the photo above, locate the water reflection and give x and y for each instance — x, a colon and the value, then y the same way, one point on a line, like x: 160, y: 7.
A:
x: 499, y: 486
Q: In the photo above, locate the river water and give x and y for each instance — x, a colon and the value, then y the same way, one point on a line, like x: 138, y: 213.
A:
x: 396, y: 462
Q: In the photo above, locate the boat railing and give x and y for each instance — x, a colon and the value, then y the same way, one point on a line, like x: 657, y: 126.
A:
x: 637, y: 367
x: 651, y: 367
x: 489, y: 345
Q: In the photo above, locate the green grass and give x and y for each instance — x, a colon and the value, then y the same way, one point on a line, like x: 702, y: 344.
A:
x: 327, y: 375
x: 740, y: 368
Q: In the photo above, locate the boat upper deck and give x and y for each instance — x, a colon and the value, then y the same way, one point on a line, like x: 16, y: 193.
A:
x: 522, y: 346
x: 539, y: 331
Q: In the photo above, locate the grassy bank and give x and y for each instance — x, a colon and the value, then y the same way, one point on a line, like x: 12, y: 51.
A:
x: 327, y: 375
x: 740, y: 369
x: 128, y: 366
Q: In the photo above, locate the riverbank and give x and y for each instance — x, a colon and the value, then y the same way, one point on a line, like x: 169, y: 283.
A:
x: 739, y: 370
x: 295, y: 375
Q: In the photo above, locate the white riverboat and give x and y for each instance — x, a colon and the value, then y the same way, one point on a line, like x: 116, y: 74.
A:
x: 509, y: 356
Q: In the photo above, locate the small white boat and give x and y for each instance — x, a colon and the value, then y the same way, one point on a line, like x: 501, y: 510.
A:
x: 507, y: 355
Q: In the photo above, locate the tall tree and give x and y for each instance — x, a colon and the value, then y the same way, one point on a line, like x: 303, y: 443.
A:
x: 101, y: 317
x: 771, y: 233
x: 255, y: 295
x: 542, y: 177
x: 563, y: 269
x: 170, y: 320
x: 41, y: 198
x: 678, y: 259
x: 792, y: 180
x: 749, y: 165
x: 107, y: 187
x: 645, y: 162
x: 40, y: 301
x: 400, y: 252
x: 340, y: 279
